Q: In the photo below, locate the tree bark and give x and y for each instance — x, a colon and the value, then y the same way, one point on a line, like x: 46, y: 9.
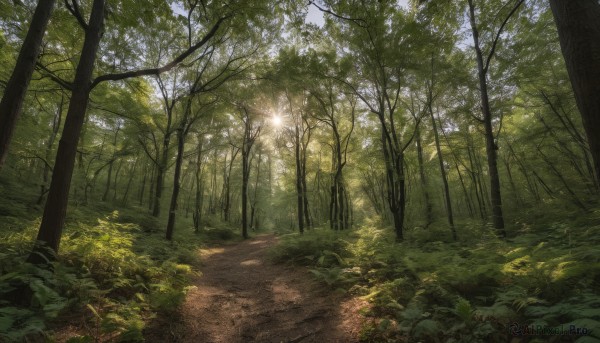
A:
x: 424, y: 183
x: 442, y: 170
x: 132, y: 173
x: 176, y: 180
x: 197, y: 216
x: 111, y: 163
x: 249, y: 138
x: 307, y: 218
x: 490, y: 144
x: 578, y: 27
x: 53, y: 220
x: 299, y: 191
x: 161, y: 168
x: 55, y: 128
x: 16, y: 87
x: 227, y: 185
x: 253, y: 205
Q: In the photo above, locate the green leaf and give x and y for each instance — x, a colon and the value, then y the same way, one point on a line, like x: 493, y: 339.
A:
x: 93, y: 310
x: 427, y: 328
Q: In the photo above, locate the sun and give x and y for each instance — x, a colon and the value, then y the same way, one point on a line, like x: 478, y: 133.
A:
x: 276, y: 120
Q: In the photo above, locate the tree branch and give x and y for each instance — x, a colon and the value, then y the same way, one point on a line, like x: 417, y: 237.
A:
x: 495, y: 42
x: 165, y: 68
x: 50, y: 74
x: 358, y: 21
x: 73, y: 7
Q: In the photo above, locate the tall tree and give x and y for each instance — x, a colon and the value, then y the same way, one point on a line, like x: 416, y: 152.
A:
x: 16, y: 87
x: 483, y: 65
x: 331, y: 111
x: 378, y: 81
x: 51, y: 227
x: 251, y: 132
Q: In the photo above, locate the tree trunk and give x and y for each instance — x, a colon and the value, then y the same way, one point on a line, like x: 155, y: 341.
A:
x: 197, y: 216
x: 151, y: 188
x: 212, y: 203
x: 578, y: 27
x: 299, y: 191
x: 161, y: 170
x: 16, y: 87
x: 56, y: 206
x: 129, y: 182
x: 116, y: 180
x: 424, y: 183
x: 396, y: 184
x: 245, y: 177
x: 249, y: 138
x: 442, y: 172
x: 110, y: 166
x: 253, y: 221
x: 490, y: 144
x: 176, y: 182
x: 143, y: 186
x: 108, y: 179
x: 307, y: 218
x: 49, y: 145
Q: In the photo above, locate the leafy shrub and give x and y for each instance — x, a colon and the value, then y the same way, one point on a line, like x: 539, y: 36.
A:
x: 115, y: 268
x: 429, y: 290
x: 318, y: 247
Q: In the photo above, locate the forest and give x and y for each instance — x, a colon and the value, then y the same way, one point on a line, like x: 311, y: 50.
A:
x: 299, y: 171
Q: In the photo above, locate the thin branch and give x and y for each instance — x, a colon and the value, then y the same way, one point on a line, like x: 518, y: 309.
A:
x: 73, y: 7
x: 165, y: 68
x: 493, y: 50
x: 50, y: 74
x: 358, y: 21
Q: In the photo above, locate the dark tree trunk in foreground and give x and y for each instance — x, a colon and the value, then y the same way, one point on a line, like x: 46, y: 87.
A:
x: 56, y: 205
x: 14, y: 93
x: 578, y: 24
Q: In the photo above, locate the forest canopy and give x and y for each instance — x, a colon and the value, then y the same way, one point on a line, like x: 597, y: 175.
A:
x: 427, y: 135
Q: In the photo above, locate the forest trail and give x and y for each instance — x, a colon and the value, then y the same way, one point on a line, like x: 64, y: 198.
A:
x: 243, y: 297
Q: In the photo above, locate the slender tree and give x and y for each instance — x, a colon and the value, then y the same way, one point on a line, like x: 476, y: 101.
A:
x: 483, y: 65
x: 251, y: 132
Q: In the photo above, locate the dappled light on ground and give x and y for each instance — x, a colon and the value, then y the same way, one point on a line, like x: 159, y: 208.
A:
x: 243, y: 297
x: 253, y: 262
x: 258, y: 241
x: 211, y: 251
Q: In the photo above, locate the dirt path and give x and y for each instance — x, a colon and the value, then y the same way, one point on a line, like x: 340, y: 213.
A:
x: 243, y: 297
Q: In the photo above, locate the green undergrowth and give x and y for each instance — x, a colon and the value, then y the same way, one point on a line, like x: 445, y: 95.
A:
x: 479, y: 289
x: 112, y: 276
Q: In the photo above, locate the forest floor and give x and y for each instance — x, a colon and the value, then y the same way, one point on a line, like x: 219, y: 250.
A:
x: 241, y: 296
